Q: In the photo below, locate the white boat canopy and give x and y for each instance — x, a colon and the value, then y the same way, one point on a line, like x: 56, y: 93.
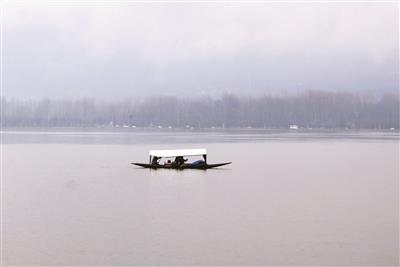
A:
x: 178, y: 153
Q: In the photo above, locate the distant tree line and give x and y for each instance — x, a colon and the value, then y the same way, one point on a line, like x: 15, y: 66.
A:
x: 313, y: 109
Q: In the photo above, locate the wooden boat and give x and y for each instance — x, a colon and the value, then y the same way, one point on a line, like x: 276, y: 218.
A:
x: 180, y: 162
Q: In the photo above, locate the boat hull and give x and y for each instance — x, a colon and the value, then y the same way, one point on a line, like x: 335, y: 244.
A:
x: 185, y: 166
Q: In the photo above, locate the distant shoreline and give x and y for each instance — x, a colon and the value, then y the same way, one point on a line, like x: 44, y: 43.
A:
x: 309, y: 110
x: 188, y: 130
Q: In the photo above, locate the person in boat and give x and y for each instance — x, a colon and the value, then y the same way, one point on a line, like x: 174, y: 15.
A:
x: 179, y: 161
x: 155, y: 161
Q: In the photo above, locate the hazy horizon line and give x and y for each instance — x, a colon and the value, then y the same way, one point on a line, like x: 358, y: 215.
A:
x: 278, y: 94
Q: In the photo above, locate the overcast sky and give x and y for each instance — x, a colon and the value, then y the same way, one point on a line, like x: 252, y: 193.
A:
x: 116, y: 51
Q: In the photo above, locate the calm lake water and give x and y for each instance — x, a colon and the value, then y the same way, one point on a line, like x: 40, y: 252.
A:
x: 289, y: 198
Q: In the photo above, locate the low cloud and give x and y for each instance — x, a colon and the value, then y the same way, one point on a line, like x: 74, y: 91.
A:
x: 139, y: 49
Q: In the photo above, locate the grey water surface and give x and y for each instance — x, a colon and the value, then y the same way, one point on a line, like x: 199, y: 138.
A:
x: 71, y: 197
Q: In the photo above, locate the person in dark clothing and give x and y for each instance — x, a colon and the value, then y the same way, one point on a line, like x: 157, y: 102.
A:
x: 155, y: 161
x: 179, y: 161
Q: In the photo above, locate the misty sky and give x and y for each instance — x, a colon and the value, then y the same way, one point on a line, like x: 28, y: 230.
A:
x: 117, y: 51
